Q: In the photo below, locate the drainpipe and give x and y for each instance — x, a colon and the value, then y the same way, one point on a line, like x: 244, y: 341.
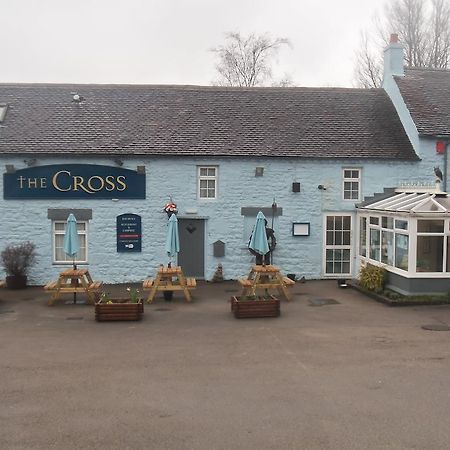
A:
x: 445, y: 165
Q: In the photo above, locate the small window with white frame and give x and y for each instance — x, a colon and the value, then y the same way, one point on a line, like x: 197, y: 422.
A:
x: 58, y: 230
x: 207, y: 182
x: 351, y: 184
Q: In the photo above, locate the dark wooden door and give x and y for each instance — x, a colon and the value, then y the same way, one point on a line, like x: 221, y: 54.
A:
x: 192, y: 247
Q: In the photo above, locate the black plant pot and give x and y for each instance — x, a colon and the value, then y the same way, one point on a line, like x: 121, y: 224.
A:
x: 168, y: 295
x: 16, y: 281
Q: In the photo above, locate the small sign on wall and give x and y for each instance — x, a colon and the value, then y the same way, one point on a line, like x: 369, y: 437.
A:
x: 300, y: 229
x: 129, y: 233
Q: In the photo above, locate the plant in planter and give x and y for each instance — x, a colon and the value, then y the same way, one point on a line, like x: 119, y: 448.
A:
x: 17, y: 261
x: 131, y: 308
x: 133, y: 295
x: 255, y: 306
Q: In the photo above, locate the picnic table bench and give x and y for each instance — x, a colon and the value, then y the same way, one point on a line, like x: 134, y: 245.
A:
x: 169, y: 279
x: 265, y: 277
x: 72, y: 281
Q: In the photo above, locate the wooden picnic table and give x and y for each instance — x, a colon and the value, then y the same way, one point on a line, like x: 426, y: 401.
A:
x: 169, y: 279
x: 72, y: 281
x: 265, y: 277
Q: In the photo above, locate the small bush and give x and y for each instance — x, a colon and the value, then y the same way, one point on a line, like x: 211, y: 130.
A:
x: 17, y: 259
x: 372, y: 277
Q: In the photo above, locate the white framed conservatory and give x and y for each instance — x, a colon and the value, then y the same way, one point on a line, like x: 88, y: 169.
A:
x: 408, y: 233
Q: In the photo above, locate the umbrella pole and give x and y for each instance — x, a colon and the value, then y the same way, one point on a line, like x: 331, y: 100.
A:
x: 76, y: 281
x: 274, y: 210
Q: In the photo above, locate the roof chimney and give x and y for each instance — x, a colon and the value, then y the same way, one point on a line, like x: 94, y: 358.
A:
x: 393, y: 39
x: 393, y: 57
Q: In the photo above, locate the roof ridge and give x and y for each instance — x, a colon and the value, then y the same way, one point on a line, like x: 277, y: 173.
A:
x: 427, y: 69
x: 190, y: 87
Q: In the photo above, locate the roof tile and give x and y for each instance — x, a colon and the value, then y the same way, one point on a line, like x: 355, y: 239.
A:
x: 202, y: 121
x: 427, y: 95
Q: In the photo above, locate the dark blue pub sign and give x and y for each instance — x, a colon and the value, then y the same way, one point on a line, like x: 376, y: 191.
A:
x: 74, y: 181
x: 129, y: 233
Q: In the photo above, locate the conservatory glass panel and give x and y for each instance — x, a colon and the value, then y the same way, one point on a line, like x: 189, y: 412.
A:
x: 375, y: 244
x: 401, y: 251
x: 362, y: 236
x: 387, y: 222
x: 401, y: 224
x: 387, y: 247
x: 430, y: 226
x: 430, y: 251
x: 448, y: 253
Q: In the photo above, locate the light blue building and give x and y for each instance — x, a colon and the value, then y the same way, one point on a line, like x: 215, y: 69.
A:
x: 115, y: 155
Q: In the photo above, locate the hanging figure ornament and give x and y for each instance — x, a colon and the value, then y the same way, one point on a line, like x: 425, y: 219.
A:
x: 170, y: 208
x: 271, y: 240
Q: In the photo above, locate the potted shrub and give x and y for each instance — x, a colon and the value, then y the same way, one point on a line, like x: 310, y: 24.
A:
x: 17, y: 261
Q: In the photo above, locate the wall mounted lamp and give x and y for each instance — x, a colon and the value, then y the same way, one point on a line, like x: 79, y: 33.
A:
x: 259, y: 171
x: 321, y: 187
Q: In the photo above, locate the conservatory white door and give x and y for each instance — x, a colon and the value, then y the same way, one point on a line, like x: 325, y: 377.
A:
x: 337, y: 256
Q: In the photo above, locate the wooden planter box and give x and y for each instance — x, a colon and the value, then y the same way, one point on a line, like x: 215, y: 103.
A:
x: 255, y: 308
x: 120, y: 309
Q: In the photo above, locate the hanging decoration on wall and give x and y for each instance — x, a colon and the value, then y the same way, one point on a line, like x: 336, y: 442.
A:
x: 170, y: 208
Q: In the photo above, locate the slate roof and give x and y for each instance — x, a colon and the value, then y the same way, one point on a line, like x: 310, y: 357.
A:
x: 201, y: 121
x: 427, y: 95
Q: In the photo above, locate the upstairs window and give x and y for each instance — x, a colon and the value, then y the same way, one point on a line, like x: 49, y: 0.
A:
x: 207, y: 182
x: 351, y: 184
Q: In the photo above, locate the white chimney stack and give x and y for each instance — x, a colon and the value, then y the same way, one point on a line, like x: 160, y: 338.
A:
x: 393, y: 58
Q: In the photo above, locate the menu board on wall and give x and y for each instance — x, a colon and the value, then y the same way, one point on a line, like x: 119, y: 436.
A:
x: 129, y: 233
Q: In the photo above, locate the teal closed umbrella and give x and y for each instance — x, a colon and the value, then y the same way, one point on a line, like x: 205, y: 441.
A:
x: 258, y: 241
x: 71, y: 244
x: 172, y: 239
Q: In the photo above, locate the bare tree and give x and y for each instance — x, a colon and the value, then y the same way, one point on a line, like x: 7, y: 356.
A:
x: 368, y: 69
x: 247, y: 61
x: 439, y: 46
x: 423, y: 27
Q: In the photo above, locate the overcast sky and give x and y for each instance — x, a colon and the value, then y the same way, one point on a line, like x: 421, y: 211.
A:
x: 168, y: 41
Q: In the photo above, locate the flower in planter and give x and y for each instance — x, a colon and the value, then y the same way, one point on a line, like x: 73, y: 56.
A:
x: 105, y: 298
x: 134, y: 298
